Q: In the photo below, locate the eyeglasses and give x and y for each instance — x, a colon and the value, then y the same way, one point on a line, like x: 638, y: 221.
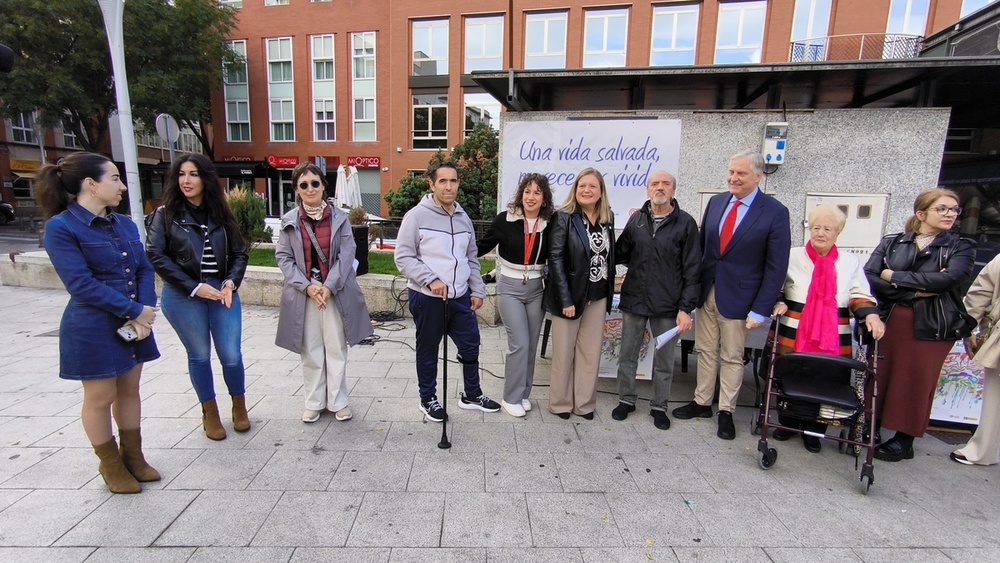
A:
x: 942, y: 210
x: 315, y: 184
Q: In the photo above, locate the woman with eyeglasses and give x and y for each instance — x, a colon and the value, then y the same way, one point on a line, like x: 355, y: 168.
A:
x: 195, y: 245
x: 916, y: 276
x: 322, y: 308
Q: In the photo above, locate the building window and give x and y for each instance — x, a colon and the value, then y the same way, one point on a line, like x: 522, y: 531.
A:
x: 325, y: 116
x: 969, y: 6
x: 545, y: 40
x: 235, y: 4
x: 430, y: 47
x: 481, y: 108
x: 279, y: 89
x: 144, y: 137
x: 324, y: 88
x: 907, y: 17
x: 430, y: 121
x: 22, y: 127
x: 675, y: 32
x: 810, y: 26
x: 188, y: 141
x: 961, y: 141
x: 483, y: 43
x: 237, y: 94
x: 605, y: 37
x: 363, y: 85
x: 276, y: 2
x: 69, y: 137
x: 22, y: 188
x: 322, y: 53
x: 740, y: 36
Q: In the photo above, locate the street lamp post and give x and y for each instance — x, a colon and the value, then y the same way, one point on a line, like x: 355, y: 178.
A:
x: 112, y: 11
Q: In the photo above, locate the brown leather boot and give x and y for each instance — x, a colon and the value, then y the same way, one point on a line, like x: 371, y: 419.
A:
x: 135, y: 462
x: 241, y: 421
x: 113, y: 471
x: 211, y: 422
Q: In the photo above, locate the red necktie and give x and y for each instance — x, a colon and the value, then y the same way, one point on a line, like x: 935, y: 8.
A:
x: 728, y: 227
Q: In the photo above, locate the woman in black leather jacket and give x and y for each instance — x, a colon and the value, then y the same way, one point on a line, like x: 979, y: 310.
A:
x: 916, y: 276
x: 578, y: 293
x: 196, y: 247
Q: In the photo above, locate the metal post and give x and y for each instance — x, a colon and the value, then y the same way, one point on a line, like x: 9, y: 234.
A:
x: 445, y: 443
x: 112, y: 11
x: 170, y: 143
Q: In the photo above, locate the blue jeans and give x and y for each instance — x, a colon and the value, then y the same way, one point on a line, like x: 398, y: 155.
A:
x: 463, y: 328
x: 198, y: 322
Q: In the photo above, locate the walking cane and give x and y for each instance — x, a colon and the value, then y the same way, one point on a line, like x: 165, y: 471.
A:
x: 444, y: 444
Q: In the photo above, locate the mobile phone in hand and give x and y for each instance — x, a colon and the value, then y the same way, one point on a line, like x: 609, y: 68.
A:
x: 128, y: 333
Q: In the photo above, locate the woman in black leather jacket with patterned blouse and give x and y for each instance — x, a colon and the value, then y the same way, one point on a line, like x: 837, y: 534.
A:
x: 578, y: 293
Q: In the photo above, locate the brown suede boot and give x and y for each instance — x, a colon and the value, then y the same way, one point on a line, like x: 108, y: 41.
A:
x: 135, y: 462
x: 113, y: 471
x: 241, y: 421
x: 211, y: 422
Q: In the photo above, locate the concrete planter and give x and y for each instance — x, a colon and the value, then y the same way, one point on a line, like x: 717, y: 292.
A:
x: 261, y: 285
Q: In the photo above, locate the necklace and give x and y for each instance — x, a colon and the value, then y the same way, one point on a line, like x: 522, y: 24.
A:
x: 529, y: 244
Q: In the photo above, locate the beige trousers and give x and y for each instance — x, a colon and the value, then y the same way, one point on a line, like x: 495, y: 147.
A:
x: 324, y: 358
x: 717, y: 337
x: 576, y: 356
x: 984, y: 447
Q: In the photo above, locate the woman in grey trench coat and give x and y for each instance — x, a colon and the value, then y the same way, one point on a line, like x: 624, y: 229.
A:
x: 322, y: 309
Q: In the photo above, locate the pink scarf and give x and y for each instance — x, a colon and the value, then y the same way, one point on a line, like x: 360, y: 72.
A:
x: 818, y: 330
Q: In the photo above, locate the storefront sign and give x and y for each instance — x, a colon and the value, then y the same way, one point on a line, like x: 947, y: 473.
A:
x: 364, y: 161
x: 24, y: 165
x: 282, y: 161
x: 237, y: 159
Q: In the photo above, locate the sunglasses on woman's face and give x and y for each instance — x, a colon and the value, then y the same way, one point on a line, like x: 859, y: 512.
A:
x: 314, y: 184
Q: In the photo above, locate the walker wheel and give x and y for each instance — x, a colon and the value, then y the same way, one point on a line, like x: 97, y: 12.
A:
x: 768, y: 459
x: 867, y: 473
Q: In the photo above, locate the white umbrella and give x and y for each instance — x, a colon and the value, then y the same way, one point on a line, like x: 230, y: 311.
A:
x: 352, y: 192
x: 341, y: 186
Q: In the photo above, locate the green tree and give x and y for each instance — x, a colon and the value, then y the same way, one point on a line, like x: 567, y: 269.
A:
x: 411, y: 189
x: 174, y: 50
x: 477, y: 161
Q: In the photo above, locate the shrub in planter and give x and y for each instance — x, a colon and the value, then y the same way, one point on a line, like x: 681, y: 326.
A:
x: 249, y: 211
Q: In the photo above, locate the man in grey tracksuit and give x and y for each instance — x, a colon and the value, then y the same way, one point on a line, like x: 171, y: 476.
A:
x: 436, y: 252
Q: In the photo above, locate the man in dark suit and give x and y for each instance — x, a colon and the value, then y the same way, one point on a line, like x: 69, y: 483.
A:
x: 745, y: 240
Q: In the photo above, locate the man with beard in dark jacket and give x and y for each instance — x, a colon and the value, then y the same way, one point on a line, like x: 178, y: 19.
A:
x: 661, y: 248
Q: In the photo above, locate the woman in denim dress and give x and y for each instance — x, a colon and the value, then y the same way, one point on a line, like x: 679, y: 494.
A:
x: 99, y: 258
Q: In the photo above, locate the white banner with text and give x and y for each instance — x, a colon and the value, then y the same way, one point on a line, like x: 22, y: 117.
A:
x: 625, y: 151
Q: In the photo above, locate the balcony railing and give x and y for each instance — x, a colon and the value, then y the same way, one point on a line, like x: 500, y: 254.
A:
x: 858, y: 47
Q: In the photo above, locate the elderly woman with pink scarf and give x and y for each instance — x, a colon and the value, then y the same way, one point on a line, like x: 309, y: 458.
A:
x: 823, y: 289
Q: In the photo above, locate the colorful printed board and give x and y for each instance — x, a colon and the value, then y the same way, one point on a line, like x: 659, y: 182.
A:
x: 959, y: 396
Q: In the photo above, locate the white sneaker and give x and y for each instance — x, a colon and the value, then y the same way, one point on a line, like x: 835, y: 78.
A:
x: 343, y: 414
x: 526, y: 405
x: 513, y: 410
x: 310, y: 415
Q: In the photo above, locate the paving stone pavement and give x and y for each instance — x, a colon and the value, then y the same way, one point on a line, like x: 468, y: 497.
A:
x: 377, y: 488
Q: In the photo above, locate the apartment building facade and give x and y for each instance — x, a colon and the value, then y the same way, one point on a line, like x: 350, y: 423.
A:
x: 379, y: 85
